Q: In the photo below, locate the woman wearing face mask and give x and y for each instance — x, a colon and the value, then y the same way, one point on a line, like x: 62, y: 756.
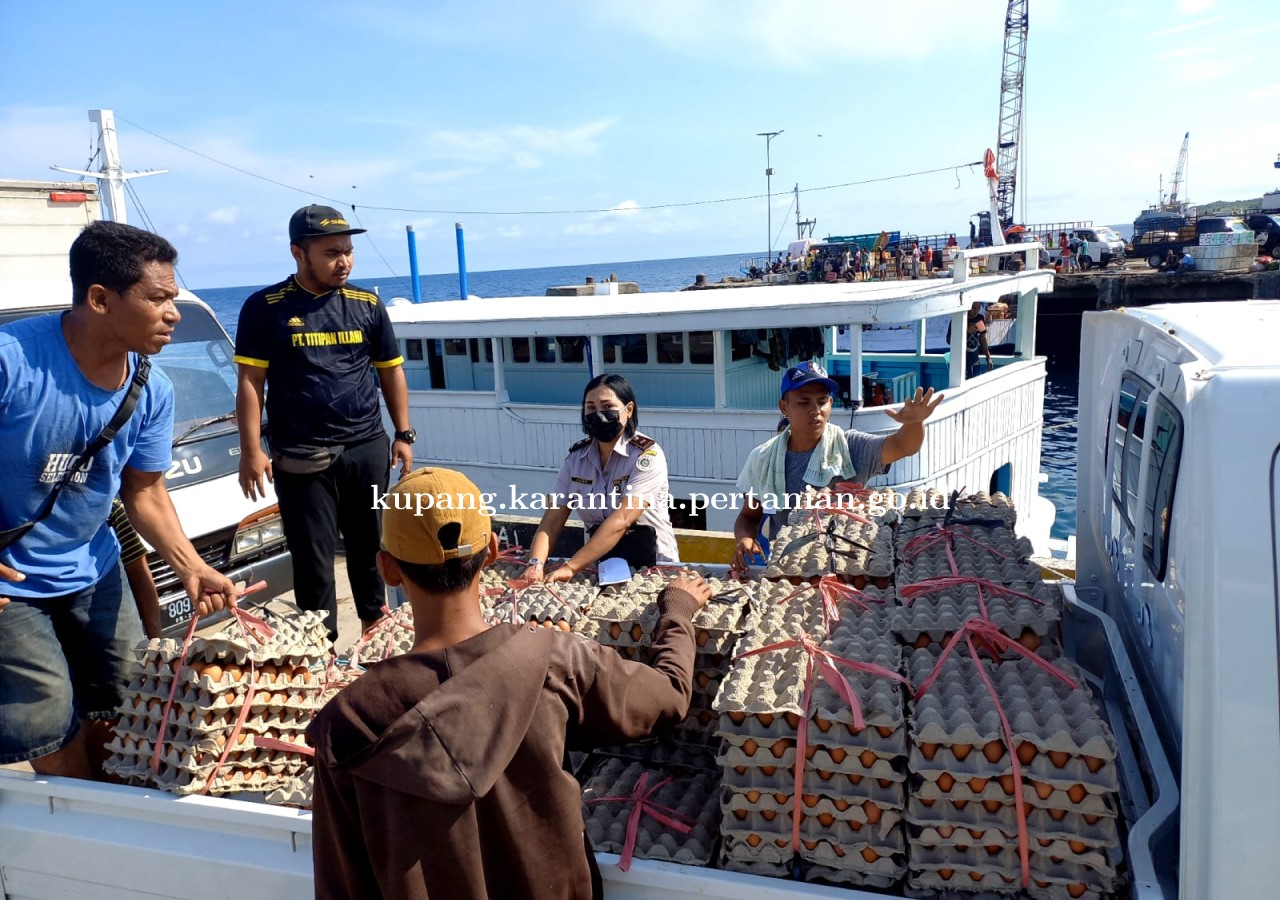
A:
x: 617, y: 480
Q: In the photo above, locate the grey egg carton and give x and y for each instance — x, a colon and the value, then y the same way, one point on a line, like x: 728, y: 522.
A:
x: 691, y: 795
x: 865, y: 865
x: 770, y: 861
x: 142, y: 715
x: 813, y: 872
x: 831, y: 544
x: 534, y: 606
x: 969, y: 561
x: 926, y: 505
x: 195, y: 697
x: 130, y: 758
x: 870, y: 503
x: 297, y: 634
x: 886, y: 835
x: 1034, y: 793
x: 286, y: 723
x: 919, y: 538
x: 930, y: 617
x: 784, y: 611
x: 259, y: 782
x: 1057, y: 769
x: 885, y: 740
x: 222, y: 675
x: 737, y: 802
x: 716, y: 625
x: 834, y: 760
x: 1103, y: 863
x: 158, y: 653
x: 1053, y: 837
x: 957, y: 709
x: 1094, y: 824
x: 662, y: 753
x: 883, y: 793
x: 393, y: 635
x: 296, y: 793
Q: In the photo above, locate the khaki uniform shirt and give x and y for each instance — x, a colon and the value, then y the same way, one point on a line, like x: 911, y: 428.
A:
x: 636, y: 467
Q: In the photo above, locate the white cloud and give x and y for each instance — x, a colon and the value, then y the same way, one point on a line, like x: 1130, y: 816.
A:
x: 227, y: 215
x: 512, y: 232
x: 524, y: 146
x: 628, y: 217
x: 1187, y: 26
x: 1193, y: 7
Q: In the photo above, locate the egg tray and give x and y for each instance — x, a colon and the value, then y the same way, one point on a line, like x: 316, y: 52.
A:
x: 736, y: 801
x: 886, y: 836
x: 1034, y: 793
x: 1003, y: 868
x: 931, y: 619
x: 141, y: 716
x: 256, y: 781
x: 138, y: 759
x: 1095, y: 825
x: 145, y: 688
x: 716, y: 625
x: 297, y: 634
x: 784, y: 611
x: 970, y: 561
x: 537, y: 608
x: 1054, y: 768
x: 932, y: 505
x: 739, y: 856
x: 392, y: 635
x: 216, y: 678
x: 837, y: 845
x: 663, y: 753
x: 180, y: 731
x: 691, y: 795
x: 1042, y: 710
x: 836, y: 760
x: 816, y: 873
x: 296, y: 793
x: 698, y: 729
x: 871, y: 503
x: 773, y: 683
x: 1072, y: 831
x: 1103, y: 862
x: 159, y: 653
x: 883, y: 793
x: 974, y: 536
x: 839, y: 546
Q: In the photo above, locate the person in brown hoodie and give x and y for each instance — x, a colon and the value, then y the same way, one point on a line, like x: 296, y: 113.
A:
x: 439, y: 774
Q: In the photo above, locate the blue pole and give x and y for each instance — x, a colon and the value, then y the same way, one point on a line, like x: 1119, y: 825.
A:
x: 413, y: 264
x: 462, y: 262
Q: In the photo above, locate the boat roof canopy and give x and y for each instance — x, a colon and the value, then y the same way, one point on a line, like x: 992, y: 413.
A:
x: 1237, y: 333
x: 772, y: 306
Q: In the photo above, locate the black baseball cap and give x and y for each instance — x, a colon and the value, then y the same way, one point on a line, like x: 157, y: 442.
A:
x: 318, y: 221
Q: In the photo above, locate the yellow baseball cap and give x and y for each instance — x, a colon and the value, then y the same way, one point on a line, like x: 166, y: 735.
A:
x: 434, y: 515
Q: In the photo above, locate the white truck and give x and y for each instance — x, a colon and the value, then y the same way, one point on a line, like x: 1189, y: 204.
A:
x: 1179, y: 549
x: 241, y: 538
x: 1104, y: 245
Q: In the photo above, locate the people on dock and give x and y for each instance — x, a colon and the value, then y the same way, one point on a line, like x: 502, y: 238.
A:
x: 84, y: 418
x: 1188, y: 262
x: 1171, y: 261
x: 440, y: 772
x: 616, y: 479
x: 811, y: 450
x: 312, y: 344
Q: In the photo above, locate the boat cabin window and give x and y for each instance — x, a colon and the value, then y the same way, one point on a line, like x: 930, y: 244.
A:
x: 670, y: 347
x: 1126, y: 445
x: 519, y: 350
x: 626, y: 348
x: 572, y: 349
x: 413, y: 348
x: 544, y: 349
x: 455, y: 347
x: 743, y: 346
x: 701, y: 347
x: 1162, y: 477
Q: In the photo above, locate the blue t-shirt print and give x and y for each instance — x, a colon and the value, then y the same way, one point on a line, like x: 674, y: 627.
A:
x: 49, y: 412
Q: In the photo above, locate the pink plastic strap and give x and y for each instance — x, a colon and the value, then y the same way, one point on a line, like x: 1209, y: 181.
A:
x: 173, y: 690
x: 642, y: 805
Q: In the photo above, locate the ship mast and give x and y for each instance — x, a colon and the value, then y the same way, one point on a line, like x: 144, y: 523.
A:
x: 111, y: 174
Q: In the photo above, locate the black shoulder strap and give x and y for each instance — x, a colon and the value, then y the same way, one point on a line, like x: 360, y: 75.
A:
x: 122, y: 415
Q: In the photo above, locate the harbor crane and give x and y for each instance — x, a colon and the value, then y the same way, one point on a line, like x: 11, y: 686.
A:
x: 1179, y: 172
x: 1012, y: 73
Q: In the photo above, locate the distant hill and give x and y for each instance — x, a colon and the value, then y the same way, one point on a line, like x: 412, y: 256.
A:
x: 1218, y: 207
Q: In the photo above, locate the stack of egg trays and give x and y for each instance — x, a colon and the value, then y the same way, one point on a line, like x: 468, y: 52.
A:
x: 993, y: 551
x: 212, y: 688
x: 624, y: 616
x: 297, y: 792
x: 559, y: 605
x: 931, y: 506
x: 961, y: 816
x: 392, y: 636
x: 818, y: 543
x: 853, y: 782
x: 690, y: 792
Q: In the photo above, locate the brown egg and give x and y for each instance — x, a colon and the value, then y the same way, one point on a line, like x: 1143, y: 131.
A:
x: 869, y: 855
x: 155, y: 706
x: 1091, y: 820
x: 220, y: 740
x: 737, y: 717
x: 884, y: 731
x: 1077, y: 846
x: 873, y: 812
x: 1030, y: 640
x: 1076, y: 793
x: 765, y: 719
x: 884, y: 782
x: 961, y: 751
x: 838, y: 754
x: 975, y: 876
x: 740, y: 814
x: 793, y: 720
x: 809, y: 800
x: 1043, y: 842
x: 926, y: 802
x: 959, y: 804
x: 945, y: 874
x: 945, y: 831
x: 922, y: 641
x: 1094, y: 763
x: 1077, y: 889
x: 856, y: 826
x: 992, y: 849
x: 866, y: 757
x: 855, y: 779
x: 615, y: 630
x: 824, y: 725
x: 749, y: 747
x: 1026, y: 752
x: 1057, y: 814
x: 978, y: 785
x: 1006, y: 784
x: 781, y: 798
x: 841, y: 804
x: 810, y: 845
x: 837, y: 850
x: 810, y: 751
x: 1059, y: 758
x: 1043, y: 790
x: 975, y: 833
x: 754, y: 840
x: 263, y: 698
x: 946, y: 781
x: 768, y: 770
x: 991, y: 806
x: 780, y: 747
x: 993, y: 751
x: 928, y: 750
x: 637, y: 632
x: 768, y: 814
x: 234, y: 672
x: 741, y: 770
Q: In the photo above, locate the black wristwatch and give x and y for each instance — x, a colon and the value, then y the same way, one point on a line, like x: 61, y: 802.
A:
x: 408, y: 435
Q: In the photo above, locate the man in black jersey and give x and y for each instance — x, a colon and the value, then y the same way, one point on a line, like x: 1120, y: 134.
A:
x: 312, y: 343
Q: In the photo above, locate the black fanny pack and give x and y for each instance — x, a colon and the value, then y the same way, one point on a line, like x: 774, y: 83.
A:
x: 141, y: 372
x: 638, y: 546
x: 305, y: 464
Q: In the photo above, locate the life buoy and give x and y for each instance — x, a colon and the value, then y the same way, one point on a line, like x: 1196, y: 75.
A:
x: 989, y: 165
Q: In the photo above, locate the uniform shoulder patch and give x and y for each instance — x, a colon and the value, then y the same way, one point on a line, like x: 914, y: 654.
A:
x: 644, y: 443
x: 580, y: 444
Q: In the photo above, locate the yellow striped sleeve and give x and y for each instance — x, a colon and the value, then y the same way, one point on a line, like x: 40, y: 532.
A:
x: 390, y: 363
x: 131, y: 546
x: 250, y: 361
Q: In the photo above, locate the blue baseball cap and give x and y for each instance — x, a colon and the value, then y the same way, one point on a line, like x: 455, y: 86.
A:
x: 807, y: 373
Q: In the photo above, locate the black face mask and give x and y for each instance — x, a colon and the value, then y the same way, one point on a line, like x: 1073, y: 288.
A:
x: 603, y: 424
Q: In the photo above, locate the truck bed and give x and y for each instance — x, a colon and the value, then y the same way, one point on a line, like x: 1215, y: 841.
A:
x: 64, y: 838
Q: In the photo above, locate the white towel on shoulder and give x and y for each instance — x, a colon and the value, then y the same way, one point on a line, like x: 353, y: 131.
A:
x: 765, y: 470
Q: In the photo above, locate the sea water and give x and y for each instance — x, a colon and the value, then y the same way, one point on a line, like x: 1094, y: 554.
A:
x: 1058, y: 448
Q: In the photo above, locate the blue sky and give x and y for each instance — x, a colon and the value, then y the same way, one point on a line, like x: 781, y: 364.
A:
x: 607, y: 107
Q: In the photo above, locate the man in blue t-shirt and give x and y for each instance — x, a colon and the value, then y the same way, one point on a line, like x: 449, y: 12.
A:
x: 812, y: 451
x: 67, y: 619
